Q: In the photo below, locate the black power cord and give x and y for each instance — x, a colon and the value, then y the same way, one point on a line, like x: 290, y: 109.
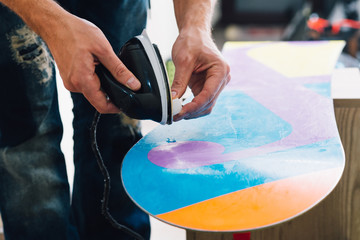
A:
x: 104, y: 202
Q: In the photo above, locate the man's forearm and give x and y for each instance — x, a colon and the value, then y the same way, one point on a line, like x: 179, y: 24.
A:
x: 194, y: 13
x: 43, y: 16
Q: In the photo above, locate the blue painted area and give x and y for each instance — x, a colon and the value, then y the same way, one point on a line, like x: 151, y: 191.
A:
x: 154, y: 188
x: 235, y: 125
x: 323, y: 89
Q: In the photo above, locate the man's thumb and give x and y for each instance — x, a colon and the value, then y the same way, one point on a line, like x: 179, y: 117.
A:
x: 181, y: 80
x: 120, y: 72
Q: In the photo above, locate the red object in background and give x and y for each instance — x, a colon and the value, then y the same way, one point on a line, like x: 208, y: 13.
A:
x: 345, y: 23
x: 242, y: 236
x: 319, y: 25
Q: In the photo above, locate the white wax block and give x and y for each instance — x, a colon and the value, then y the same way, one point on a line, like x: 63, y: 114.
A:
x: 176, y: 106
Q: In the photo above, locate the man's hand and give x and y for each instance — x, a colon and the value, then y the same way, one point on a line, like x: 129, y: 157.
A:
x: 200, y: 66
x: 77, y: 46
x: 198, y: 62
x: 77, y: 50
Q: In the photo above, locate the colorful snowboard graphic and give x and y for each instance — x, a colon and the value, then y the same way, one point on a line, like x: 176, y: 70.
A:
x: 269, y: 151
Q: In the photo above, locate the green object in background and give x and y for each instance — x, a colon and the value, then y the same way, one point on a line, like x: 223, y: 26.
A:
x: 170, y: 69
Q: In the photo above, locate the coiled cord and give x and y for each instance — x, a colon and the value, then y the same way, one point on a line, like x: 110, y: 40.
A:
x: 104, y: 202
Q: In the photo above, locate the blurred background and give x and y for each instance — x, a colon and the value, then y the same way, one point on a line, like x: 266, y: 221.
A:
x: 266, y: 20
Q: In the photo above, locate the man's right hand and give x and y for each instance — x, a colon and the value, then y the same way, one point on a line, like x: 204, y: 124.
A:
x: 77, y: 47
x: 77, y: 50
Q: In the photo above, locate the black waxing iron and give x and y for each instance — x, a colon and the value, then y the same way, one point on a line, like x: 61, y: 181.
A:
x: 153, y: 101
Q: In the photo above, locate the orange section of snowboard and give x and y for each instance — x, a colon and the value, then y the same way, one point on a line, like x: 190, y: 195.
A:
x: 257, y: 206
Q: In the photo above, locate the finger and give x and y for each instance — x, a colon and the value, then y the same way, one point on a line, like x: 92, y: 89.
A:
x: 118, y: 70
x: 97, y: 98
x: 205, y: 97
x: 189, y: 112
x: 197, y: 107
x: 181, y: 80
x: 215, y: 77
x: 203, y: 113
x: 207, y: 109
